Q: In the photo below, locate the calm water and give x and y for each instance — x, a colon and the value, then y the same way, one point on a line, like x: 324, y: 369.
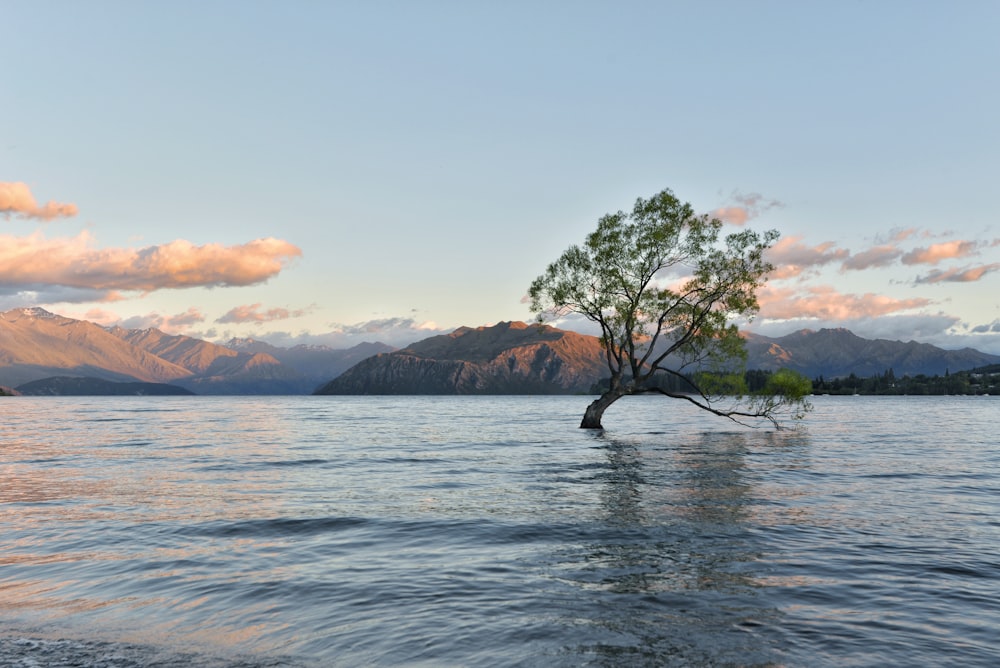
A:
x: 490, y: 531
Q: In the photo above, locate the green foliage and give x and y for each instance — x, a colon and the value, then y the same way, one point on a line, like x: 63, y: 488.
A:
x: 721, y: 384
x: 663, y: 285
x: 788, y: 383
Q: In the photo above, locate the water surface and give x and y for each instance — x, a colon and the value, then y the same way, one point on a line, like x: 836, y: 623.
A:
x: 485, y: 531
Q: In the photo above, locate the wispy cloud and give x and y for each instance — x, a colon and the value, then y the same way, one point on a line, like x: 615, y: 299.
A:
x: 172, y: 324
x: 16, y: 199
x: 935, y: 328
x: 825, y: 302
x: 394, y: 331
x: 878, y: 256
x: 947, y: 250
x: 75, y: 262
x: 959, y: 274
x: 989, y: 328
x: 745, y: 207
x: 791, y: 257
x: 251, y: 313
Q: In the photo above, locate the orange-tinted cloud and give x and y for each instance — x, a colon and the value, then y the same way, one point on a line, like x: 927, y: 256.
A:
x: 791, y: 257
x: 74, y: 262
x: 100, y: 316
x: 747, y: 206
x: 251, y: 313
x: 959, y: 274
x: 734, y: 215
x: 899, y: 235
x: 947, y: 250
x: 16, y: 199
x: 824, y: 302
x: 166, y: 323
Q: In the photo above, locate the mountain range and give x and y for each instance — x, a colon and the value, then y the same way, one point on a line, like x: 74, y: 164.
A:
x: 515, y: 358
x: 507, y: 358
x: 36, y: 344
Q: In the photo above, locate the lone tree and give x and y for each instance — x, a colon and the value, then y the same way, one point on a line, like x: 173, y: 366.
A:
x: 663, y: 287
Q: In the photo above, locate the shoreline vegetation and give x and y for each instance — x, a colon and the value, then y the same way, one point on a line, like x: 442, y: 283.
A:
x: 980, y: 381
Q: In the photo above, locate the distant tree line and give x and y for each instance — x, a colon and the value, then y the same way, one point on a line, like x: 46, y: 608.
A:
x: 983, y: 380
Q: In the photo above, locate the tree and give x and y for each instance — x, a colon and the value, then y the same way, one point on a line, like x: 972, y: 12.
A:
x: 663, y: 288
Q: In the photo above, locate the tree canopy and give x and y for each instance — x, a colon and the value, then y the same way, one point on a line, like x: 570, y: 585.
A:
x: 664, y: 287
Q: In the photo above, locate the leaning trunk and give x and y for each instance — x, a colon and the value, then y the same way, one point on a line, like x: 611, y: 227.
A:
x: 595, y: 411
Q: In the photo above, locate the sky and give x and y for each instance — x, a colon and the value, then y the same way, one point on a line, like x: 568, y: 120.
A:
x: 338, y: 172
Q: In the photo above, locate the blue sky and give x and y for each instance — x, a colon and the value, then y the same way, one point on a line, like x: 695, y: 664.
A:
x: 345, y: 171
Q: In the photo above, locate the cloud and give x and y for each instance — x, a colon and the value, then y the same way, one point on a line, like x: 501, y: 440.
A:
x: 887, y: 254
x: 251, y: 313
x: 189, y: 318
x: 747, y: 206
x: 16, y: 199
x: 398, y: 332
x: 824, y: 302
x: 13, y: 296
x: 989, y: 328
x: 734, y: 215
x: 384, y: 325
x: 74, y: 262
x: 167, y: 323
x: 791, y: 257
x: 935, y: 328
x: 947, y: 250
x: 879, y: 256
x: 898, y: 235
x: 959, y: 274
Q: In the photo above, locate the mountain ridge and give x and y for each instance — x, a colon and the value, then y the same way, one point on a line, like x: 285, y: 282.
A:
x: 509, y: 357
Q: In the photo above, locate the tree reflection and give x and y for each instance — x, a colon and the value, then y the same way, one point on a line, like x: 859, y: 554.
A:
x: 669, y: 573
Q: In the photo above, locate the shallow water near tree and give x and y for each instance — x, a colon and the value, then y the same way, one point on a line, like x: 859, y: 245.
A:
x: 485, y: 531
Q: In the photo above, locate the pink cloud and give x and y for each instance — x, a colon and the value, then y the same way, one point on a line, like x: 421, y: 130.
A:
x: 747, y: 206
x: 75, y: 262
x: 189, y: 318
x: 879, y: 256
x: 166, y: 323
x: 734, y: 215
x: 99, y: 316
x: 16, y: 199
x: 826, y: 303
x: 943, y: 251
x: 902, y: 235
x: 960, y: 274
x: 791, y: 257
x: 251, y: 313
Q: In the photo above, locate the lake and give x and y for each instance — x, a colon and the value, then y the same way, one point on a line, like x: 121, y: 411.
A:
x: 491, y: 531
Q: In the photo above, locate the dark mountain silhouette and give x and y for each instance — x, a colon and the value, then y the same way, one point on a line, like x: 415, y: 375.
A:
x: 65, y: 386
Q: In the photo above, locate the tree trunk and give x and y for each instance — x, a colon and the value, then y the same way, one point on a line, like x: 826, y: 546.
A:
x: 592, y: 417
